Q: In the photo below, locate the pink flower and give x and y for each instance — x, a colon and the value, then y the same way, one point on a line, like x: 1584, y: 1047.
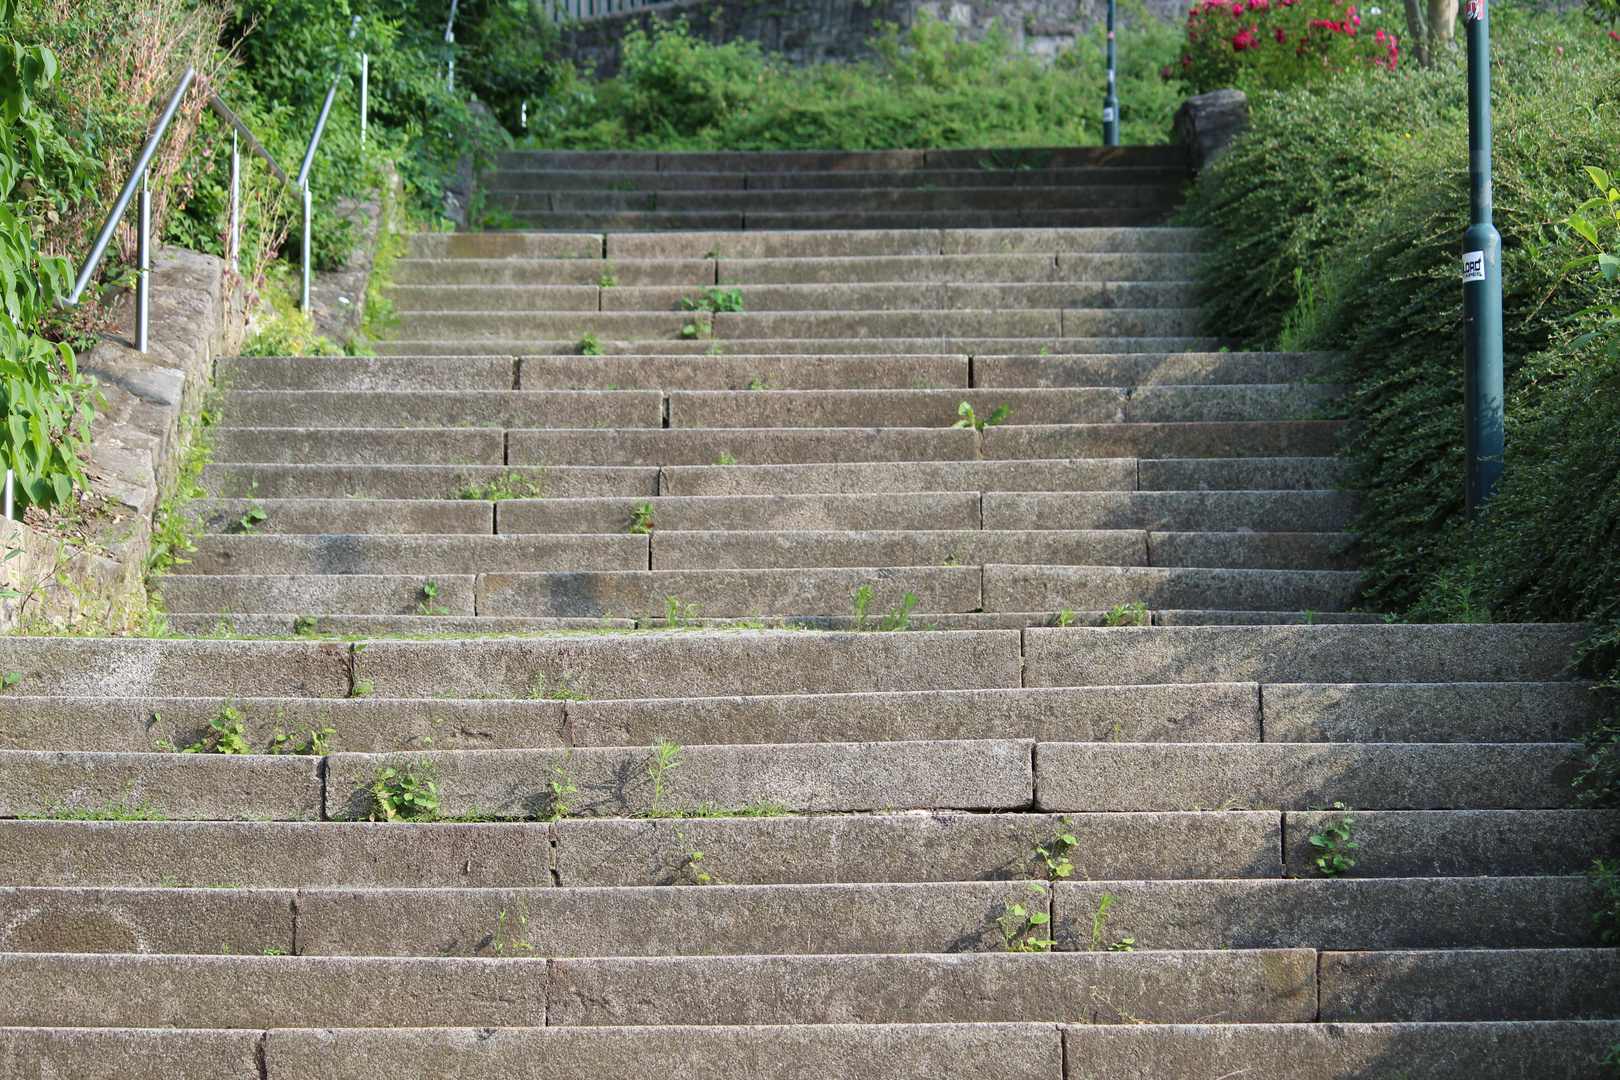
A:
x: 1280, y: 36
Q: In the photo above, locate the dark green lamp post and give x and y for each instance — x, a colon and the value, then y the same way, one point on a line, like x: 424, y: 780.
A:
x: 1482, y: 281
x: 1111, y: 99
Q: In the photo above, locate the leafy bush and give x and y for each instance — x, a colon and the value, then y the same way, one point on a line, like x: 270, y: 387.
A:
x: 1274, y: 44
x: 926, y: 88
x: 44, y: 402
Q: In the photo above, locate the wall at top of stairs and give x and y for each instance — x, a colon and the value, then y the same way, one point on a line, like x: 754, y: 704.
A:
x: 811, y: 31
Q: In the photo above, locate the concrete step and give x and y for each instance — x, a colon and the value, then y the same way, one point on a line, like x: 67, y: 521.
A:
x: 805, y: 297
x: 1446, y: 843
x: 367, y: 373
x: 1146, y: 369
x: 788, y: 446
x: 1255, y: 551
x: 341, y: 992
x: 493, y: 482
x: 1095, y: 474
x: 783, y: 850
x: 574, y: 179
x: 446, y: 409
x: 1491, y: 1051
x: 725, y: 372
x: 831, y: 219
x: 344, y: 516
x: 1094, y: 588
x: 1167, y: 511
x: 464, y: 328
x: 459, y: 447
x: 826, y: 346
x: 1002, y: 203
x: 1436, y: 712
x: 794, y: 161
x: 328, y: 626
x: 693, y: 273
x: 429, y: 556
x: 803, y: 243
x: 1299, y: 654
x: 813, y: 920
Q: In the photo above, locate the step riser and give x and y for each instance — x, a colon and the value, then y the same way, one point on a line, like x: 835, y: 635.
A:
x: 797, y: 346
x: 968, y: 200
x: 638, y: 221
x: 527, y: 179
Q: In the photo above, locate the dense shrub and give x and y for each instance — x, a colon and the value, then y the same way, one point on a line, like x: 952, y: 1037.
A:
x: 1336, y: 223
x: 1274, y: 44
x: 925, y: 88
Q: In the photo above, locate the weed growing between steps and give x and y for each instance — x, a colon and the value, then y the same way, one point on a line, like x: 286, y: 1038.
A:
x: 924, y: 89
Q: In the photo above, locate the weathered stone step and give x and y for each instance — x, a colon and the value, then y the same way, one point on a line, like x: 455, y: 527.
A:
x: 523, y: 991
x: 826, y: 346
x: 367, y: 373
x: 132, y: 666
x: 970, y: 547
x: 1387, y: 913
x: 807, y: 243
x: 422, y: 555
x: 506, y: 180
x: 1446, y: 843
x: 940, y: 408
x: 1472, y: 984
x: 345, y: 516
x: 290, y: 481
x: 1490, y: 1051
x: 694, y: 273
x: 726, y: 372
x: 449, y: 409
x: 1099, y: 588
x: 1059, y: 324
x: 1001, y: 203
x: 791, y: 446
x: 375, y: 446
x: 1449, y: 653
x: 392, y: 481
x: 843, y: 296
x: 792, y: 161
x: 1435, y: 712
x: 1180, y: 511
x: 1147, y: 369
x: 831, y: 219
x: 808, y: 920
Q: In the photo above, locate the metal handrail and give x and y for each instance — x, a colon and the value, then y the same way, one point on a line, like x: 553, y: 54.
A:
x: 240, y: 131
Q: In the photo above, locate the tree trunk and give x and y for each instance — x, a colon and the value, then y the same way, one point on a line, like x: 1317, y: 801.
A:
x: 1417, y: 30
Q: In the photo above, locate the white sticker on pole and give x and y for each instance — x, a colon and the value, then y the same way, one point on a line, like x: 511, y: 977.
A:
x: 1108, y: 114
x: 1473, y: 266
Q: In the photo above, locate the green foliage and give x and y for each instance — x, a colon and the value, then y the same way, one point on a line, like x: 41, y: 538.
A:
x: 1275, y: 44
x: 977, y: 423
x: 665, y: 760
x: 1134, y: 614
x: 1023, y: 930
x: 429, y: 604
x: 590, y: 345
x: 1054, y: 854
x: 1338, y: 216
x: 45, y: 404
x: 560, y: 790
x: 407, y: 793
x: 224, y: 735
x: 924, y: 88
x: 641, y: 518
x: 714, y: 298
x: 1608, y: 263
x: 511, y: 484
x: 1334, y: 843
x: 1605, y: 879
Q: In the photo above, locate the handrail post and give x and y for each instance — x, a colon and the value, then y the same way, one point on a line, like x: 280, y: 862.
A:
x: 1111, y: 96
x: 365, y: 81
x: 304, y: 302
x: 1484, y: 420
x: 235, y: 251
x: 143, y: 288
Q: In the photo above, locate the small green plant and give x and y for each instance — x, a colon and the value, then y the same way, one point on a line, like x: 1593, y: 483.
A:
x: 1024, y: 931
x: 1014, y: 159
x: 509, y: 485
x: 249, y: 521
x: 665, y: 761
x: 691, y: 871
x: 1334, y: 843
x: 407, y: 793
x: 362, y: 687
x: 305, y: 624
x: 678, y: 613
x: 1103, y: 905
x: 590, y: 345
x: 306, y: 740
x: 1066, y: 617
x: 725, y: 459
x: 430, y: 594
x: 608, y: 279
x: 1127, y: 615
x: 757, y: 383
x: 714, y: 298
x: 641, y: 519
x: 860, y: 600
x: 694, y: 331
x: 899, y: 618
x: 1605, y: 879
x: 1055, y: 852
x: 512, y: 927
x: 970, y: 419
x: 559, y: 789
x: 222, y: 736
x: 560, y: 692
x: 1309, y: 616
x: 10, y: 679
x: 118, y: 809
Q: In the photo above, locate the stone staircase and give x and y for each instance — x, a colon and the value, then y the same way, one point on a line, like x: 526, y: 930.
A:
x: 704, y: 837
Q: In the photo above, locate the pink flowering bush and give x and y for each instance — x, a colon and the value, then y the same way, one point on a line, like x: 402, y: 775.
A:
x: 1271, y: 44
